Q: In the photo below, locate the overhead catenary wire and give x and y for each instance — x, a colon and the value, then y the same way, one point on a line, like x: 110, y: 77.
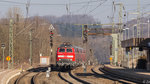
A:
x: 25, y: 28
x: 96, y: 7
x: 12, y: 2
x: 91, y: 1
x: 87, y: 7
x: 84, y: 6
x: 75, y: 3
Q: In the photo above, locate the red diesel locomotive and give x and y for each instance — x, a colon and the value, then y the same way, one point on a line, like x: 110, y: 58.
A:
x: 71, y: 56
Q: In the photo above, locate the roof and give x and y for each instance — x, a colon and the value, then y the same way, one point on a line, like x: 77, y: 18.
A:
x: 136, y: 42
x: 66, y: 44
x: 78, y: 47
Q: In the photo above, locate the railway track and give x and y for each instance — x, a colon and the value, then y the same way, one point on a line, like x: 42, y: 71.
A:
x: 116, y: 78
x: 29, y: 77
x: 34, y: 78
x: 62, y: 76
x: 91, y: 77
x: 70, y: 78
x: 94, y: 75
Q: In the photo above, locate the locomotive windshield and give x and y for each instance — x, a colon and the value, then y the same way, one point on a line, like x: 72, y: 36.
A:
x: 69, y: 50
x: 61, y: 50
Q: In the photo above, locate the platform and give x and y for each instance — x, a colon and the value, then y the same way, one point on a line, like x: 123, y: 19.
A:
x: 142, y: 76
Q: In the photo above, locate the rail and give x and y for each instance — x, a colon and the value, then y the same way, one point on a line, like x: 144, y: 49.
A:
x: 19, y: 79
x: 72, y: 76
x: 109, y: 75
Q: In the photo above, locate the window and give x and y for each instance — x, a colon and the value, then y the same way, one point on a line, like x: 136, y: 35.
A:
x: 61, y: 50
x: 69, y: 50
x: 77, y: 51
x: 81, y: 51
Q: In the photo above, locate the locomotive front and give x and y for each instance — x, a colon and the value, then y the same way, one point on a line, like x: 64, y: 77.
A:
x: 65, y: 55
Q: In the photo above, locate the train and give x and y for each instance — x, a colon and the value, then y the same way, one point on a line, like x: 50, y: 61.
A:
x: 70, y: 56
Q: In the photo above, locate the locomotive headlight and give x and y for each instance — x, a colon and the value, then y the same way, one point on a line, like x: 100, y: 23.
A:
x: 60, y: 55
x: 70, y: 56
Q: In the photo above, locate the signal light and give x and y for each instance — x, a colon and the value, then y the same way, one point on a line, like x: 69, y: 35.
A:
x: 85, y: 34
x: 51, y: 44
x: 51, y: 38
x: 51, y: 33
x: 51, y: 41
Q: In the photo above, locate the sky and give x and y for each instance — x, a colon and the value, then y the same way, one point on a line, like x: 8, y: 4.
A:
x: 101, y: 12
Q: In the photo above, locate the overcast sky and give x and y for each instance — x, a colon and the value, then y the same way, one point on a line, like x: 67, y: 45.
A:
x: 58, y: 7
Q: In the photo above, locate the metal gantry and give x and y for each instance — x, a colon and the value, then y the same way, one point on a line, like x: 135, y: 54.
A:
x: 102, y: 31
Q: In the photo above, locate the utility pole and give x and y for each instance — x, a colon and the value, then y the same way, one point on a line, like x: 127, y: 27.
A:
x: 27, y: 11
x: 120, y: 20
x: 113, y: 9
x: 3, y: 47
x: 138, y: 23
x: 120, y: 34
x: 11, y: 42
x: 85, y: 40
x: 82, y: 31
x: 30, y: 47
x: 120, y: 17
x: 132, y: 58
x: 138, y: 19
x: 148, y: 27
x: 85, y: 34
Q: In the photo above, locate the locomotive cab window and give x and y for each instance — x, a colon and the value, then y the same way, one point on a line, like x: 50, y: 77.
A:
x: 61, y: 50
x: 69, y: 50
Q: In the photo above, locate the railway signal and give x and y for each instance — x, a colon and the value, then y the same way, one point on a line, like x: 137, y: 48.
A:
x: 85, y: 34
x: 51, y: 38
x: 8, y: 58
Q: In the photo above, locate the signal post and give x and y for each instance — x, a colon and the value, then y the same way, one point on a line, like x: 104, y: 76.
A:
x: 51, y: 40
x: 51, y: 28
x: 85, y: 41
